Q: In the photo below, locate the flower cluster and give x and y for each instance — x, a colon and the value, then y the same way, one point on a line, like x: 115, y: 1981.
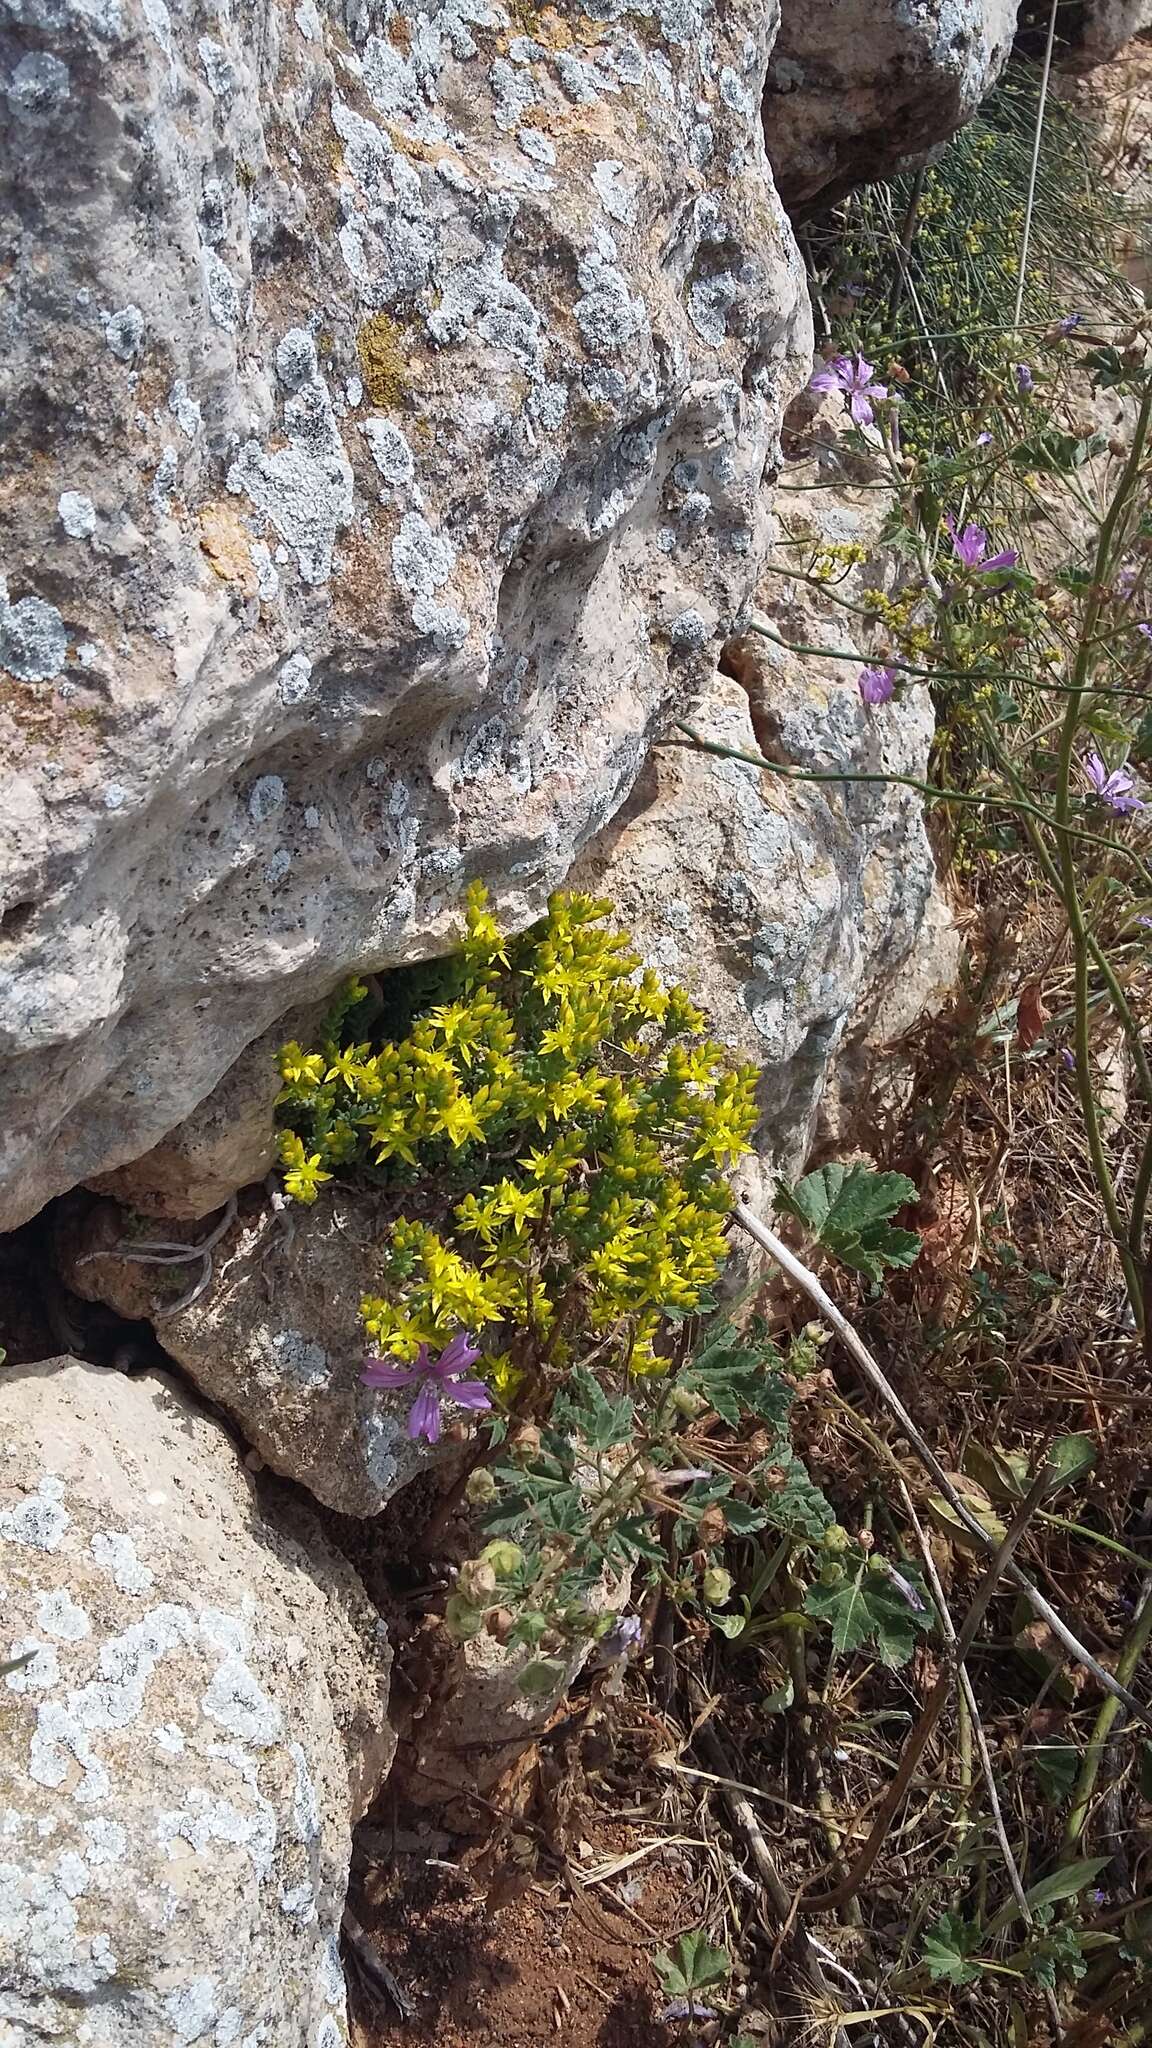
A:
x: 574, y: 1124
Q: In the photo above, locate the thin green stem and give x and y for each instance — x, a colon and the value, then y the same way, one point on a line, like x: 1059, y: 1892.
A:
x: 912, y: 668
x: 1111, y: 526
x: 1129, y: 1658
x: 934, y: 790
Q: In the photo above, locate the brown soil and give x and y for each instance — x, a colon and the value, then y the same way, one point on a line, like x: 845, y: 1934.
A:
x: 562, y: 1962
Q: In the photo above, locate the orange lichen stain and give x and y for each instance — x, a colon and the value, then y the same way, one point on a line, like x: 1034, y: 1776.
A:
x: 383, y: 363
x: 225, y: 540
x: 400, y: 33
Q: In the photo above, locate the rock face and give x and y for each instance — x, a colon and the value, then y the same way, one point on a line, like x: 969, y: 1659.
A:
x: 1100, y: 29
x: 795, y: 912
x: 274, y: 1336
x: 202, y: 1717
x: 356, y: 366
x: 858, y: 88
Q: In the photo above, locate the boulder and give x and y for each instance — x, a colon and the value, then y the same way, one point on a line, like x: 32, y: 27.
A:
x: 806, y: 918
x: 201, y: 1720
x: 273, y: 1334
x: 227, y: 1143
x: 352, y: 359
x: 1093, y: 32
x: 858, y: 89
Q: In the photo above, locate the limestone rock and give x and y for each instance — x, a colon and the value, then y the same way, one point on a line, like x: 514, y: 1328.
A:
x: 181, y: 1759
x: 791, y: 911
x: 227, y: 1143
x: 353, y: 357
x: 274, y: 1335
x: 857, y: 89
x: 472, y: 1722
x: 1100, y: 29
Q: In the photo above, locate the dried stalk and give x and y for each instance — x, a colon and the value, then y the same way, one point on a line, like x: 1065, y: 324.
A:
x: 855, y: 1345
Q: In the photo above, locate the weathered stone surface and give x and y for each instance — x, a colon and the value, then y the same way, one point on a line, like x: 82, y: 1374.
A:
x: 275, y: 1336
x: 470, y: 1723
x: 227, y: 1143
x: 858, y: 88
x: 180, y: 1761
x: 352, y: 358
x: 1098, y: 30
x: 792, y: 911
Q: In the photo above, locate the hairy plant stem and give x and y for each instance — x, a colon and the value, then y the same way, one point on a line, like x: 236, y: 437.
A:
x: 1126, y: 1667
x: 1111, y: 525
x: 1138, y: 1203
x: 912, y: 668
x: 938, y: 794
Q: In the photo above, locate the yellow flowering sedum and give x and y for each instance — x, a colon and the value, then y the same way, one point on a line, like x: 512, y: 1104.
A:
x: 567, y: 1127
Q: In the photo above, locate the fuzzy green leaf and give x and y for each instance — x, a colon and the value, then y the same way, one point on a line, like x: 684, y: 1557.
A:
x: 693, y: 1964
x: 948, y: 1949
x: 867, y: 1609
x: 847, y: 1209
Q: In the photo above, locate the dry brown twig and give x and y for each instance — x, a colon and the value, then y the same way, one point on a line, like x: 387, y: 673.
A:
x: 858, y: 1350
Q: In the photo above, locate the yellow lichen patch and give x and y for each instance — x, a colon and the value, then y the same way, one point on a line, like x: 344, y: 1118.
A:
x: 383, y: 364
x: 225, y: 540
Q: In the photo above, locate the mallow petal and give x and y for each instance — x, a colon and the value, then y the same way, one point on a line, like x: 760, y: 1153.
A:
x: 424, y: 1416
x: 470, y: 1394
x: 384, y: 1372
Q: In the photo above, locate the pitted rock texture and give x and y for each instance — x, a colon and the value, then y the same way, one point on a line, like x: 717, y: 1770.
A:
x: 858, y: 89
x: 806, y: 918
x: 355, y: 359
x: 274, y: 1335
x: 180, y: 1761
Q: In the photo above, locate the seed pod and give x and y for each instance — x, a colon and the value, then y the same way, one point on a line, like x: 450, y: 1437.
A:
x: 716, y: 1585
x: 711, y: 1528
x: 476, y: 1582
x: 481, y: 1489
x: 462, y: 1619
x: 503, y: 1556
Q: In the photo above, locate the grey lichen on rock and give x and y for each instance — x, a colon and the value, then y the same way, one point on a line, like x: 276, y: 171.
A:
x: 371, y: 338
x: 275, y: 1336
x: 203, y: 1715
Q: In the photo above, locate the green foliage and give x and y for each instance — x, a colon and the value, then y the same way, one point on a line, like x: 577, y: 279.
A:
x: 847, y: 1210
x: 949, y: 1948
x: 693, y: 1965
x: 863, y: 1606
x: 574, y: 1123
x: 963, y: 217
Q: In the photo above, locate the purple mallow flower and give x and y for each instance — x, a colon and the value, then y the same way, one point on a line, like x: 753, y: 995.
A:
x: 1145, y: 627
x: 854, y: 378
x: 1069, y: 323
x: 686, y: 2009
x: 983, y: 440
x: 971, y: 548
x: 1113, y: 786
x: 876, y: 684
x: 1025, y: 381
x: 622, y: 1639
x: 437, y: 1380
